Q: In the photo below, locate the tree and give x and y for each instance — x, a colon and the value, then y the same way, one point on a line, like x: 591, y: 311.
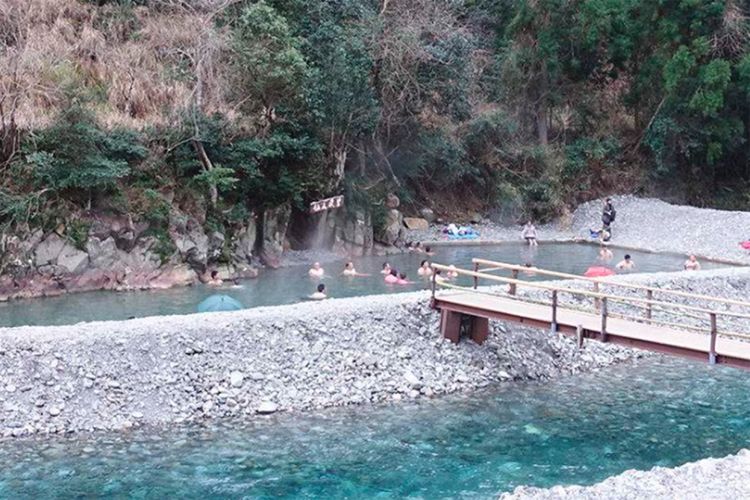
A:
x: 75, y: 155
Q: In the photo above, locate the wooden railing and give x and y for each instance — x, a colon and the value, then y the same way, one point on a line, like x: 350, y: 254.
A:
x: 602, y: 301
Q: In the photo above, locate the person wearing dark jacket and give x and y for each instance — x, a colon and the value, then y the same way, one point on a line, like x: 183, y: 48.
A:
x: 608, y: 215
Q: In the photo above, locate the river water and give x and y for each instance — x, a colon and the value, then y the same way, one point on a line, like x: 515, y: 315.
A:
x: 288, y: 285
x: 579, y: 429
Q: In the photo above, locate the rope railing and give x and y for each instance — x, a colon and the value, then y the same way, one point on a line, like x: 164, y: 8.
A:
x: 601, y: 299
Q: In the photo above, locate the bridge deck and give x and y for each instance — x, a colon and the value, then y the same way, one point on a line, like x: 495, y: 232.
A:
x: 631, y: 333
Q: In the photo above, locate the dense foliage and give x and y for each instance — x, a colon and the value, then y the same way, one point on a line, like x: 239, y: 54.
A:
x: 231, y: 107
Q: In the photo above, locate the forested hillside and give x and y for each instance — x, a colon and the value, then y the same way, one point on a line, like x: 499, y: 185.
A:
x: 225, y: 108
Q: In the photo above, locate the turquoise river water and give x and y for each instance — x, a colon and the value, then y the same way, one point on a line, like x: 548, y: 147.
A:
x: 579, y: 429
x: 288, y: 285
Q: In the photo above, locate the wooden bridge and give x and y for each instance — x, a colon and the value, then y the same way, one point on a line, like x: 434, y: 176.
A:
x: 698, y: 326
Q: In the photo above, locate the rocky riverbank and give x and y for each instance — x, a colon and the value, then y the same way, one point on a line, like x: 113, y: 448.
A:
x: 727, y: 477
x: 164, y: 370
x: 643, y: 223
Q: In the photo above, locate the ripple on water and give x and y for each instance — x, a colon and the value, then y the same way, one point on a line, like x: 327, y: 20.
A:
x: 580, y: 429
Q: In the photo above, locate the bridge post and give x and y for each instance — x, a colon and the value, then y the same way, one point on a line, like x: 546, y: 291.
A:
x: 579, y: 336
x: 450, y: 325
x: 480, y: 329
x: 649, y: 297
x: 512, y: 287
x: 554, y: 311
x: 597, y: 302
x: 476, y: 280
x: 604, y: 319
x: 712, y: 348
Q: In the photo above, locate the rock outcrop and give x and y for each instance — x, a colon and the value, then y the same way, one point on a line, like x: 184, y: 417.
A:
x: 273, y: 234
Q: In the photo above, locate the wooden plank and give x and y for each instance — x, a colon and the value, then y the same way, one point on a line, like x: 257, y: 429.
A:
x: 662, y: 339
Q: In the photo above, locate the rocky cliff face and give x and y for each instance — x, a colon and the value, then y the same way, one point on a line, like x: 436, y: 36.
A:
x: 117, y: 254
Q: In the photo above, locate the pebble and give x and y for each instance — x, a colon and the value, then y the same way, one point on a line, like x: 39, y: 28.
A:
x: 236, y: 379
x: 266, y: 408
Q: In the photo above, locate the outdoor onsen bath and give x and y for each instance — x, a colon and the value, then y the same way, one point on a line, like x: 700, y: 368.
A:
x: 292, y: 284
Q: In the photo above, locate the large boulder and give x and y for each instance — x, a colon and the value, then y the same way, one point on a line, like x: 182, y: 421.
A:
x: 73, y: 259
x: 416, y: 223
x: 192, y: 244
x: 275, y: 224
x: 428, y: 215
x: 353, y: 233
x: 215, y: 245
x: 181, y: 275
x: 56, y: 251
x: 103, y: 254
x: 244, y: 242
x: 393, y: 228
x: 392, y: 201
x: 48, y: 250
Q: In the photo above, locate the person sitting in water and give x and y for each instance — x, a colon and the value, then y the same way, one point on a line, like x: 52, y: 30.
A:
x: 428, y: 251
x: 215, y: 280
x: 349, y: 270
x: 392, y: 277
x: 626, y: 264
x: 438, y: 278
x: 692, y: 264
x: 452, y: 272
x: 605, y: 253
x: 402, y: 280
x: 316, y: 271
x: 320, y: 294
x: 529, y: 271
x: 386, y: 269
x: 529, y: 234
x: 418, y: 247
x: 424, y: 269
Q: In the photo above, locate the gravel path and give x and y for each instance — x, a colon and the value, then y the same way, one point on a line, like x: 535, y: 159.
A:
x: 725, y: 478
x: 161, y: 370
x: 643, y: 223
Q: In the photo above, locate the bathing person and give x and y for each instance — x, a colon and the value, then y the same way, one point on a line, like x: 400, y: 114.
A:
x: 386, y: 268
x: 402, y: 280
x: 529, y: 234
x: 452, y: 272
x: 424, y: 268
x: 605, y: 253
x: 320, y: 294
x: 529, y: 271
x: 316, y: 271
x: 215, y: 280
x: 349, y: 270
x: 692, y: 264
x: 428, y: 251
x: 418, y: 247
x: 392, y: 277
x: 626, y: 264
x: 439, y: 278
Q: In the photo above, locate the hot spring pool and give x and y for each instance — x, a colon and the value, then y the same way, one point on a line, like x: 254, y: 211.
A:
x: 580, y: 429
x: 288, y: 285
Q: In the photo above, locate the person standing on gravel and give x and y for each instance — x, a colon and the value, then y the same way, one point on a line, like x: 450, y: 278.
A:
x: 608, y: 215
x: 529, y: 234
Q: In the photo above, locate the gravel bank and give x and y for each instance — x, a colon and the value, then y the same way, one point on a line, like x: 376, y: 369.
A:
x: 161, y: 370
x: 727, y: 477
x: 643, y: 223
